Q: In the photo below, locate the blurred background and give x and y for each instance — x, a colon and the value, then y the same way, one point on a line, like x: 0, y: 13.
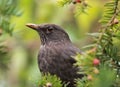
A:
x: 23, y: 46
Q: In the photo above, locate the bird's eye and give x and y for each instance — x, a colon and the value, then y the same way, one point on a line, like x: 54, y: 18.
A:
x: 49, y: 30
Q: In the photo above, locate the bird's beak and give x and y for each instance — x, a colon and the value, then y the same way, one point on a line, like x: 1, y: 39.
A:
x: 33, y: 26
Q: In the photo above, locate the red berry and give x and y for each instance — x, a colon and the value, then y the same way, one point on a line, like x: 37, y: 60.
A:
x: 96, y: 62
x: 78, y: 1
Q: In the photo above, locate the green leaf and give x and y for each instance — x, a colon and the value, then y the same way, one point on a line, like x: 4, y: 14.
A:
x: 106, y: 77
x: 52, y: 79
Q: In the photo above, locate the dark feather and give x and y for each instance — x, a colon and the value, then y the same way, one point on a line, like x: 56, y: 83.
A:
x: 56, y: 53
x: 58, y: 59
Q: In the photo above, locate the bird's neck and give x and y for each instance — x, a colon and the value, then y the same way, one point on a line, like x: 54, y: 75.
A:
x: 56, y: 43
x: 48, y: 41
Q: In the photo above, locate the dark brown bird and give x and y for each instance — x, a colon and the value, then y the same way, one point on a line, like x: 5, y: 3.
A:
x: 56, y: 53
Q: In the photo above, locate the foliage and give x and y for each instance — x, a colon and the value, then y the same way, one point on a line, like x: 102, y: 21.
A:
x: 3, y: 57
x: 102, y: 62
x: 48, y: 80
x: 64, y: 2
x: 8, y: 8
x: 104, y: 50
x: 81, y: 6
x: 107, y: 73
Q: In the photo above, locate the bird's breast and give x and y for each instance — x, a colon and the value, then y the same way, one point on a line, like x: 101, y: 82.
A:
x: 48, y: 58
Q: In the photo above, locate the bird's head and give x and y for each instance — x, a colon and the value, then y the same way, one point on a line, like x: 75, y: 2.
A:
x: 50, y: 33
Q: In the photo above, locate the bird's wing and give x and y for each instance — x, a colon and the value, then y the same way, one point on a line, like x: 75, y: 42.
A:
x: 66, y: 61
x: 70, y: 52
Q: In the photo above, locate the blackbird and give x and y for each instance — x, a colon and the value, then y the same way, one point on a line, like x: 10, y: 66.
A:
x: 56, y: 53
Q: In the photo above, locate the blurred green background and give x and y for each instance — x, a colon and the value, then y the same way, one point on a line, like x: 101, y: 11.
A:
x: 24, y: 44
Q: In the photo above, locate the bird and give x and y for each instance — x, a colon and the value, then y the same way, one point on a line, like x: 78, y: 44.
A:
x: 56, y: 54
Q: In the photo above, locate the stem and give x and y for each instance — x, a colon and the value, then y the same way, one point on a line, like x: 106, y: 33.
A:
x: 109, y: 24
